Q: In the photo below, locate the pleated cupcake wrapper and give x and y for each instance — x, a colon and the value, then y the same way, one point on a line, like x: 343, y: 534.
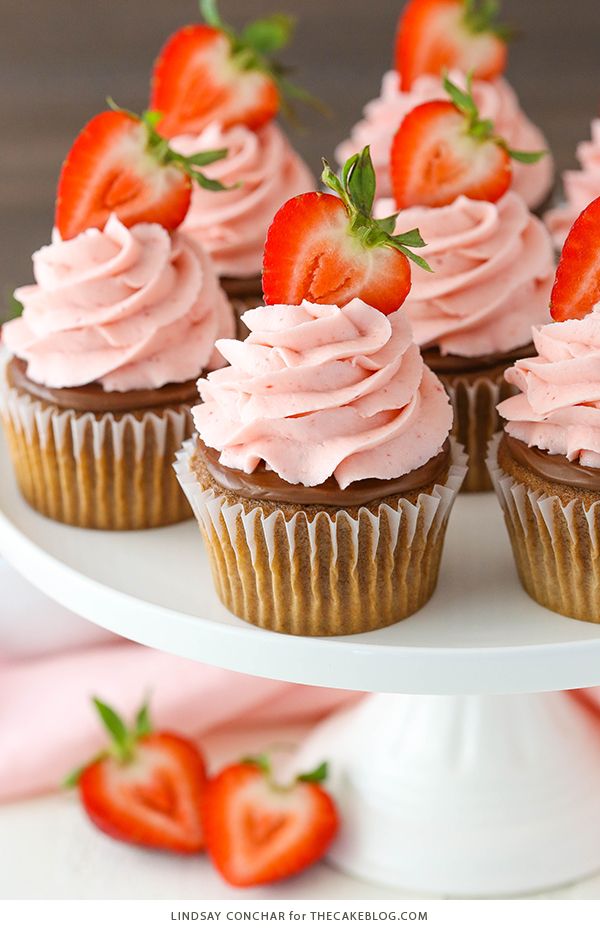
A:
x: 475, y: 421
x: 104, y: 472
x: 556, y: 546
x: 328, y: 575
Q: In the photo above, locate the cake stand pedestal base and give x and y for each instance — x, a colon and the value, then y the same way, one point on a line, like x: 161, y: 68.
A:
x: 465, y: 795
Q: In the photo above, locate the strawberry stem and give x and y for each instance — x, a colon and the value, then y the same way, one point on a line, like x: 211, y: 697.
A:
x: 355, y: 186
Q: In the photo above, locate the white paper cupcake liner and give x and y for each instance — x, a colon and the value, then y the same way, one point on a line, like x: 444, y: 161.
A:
x: 476, y: 419
x: 556, y: 545
x: 325, y: 575
x: 101, y: 471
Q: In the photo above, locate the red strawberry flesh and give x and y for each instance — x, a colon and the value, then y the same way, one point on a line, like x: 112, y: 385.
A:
x: 109, y: 169
x: 197, y: 81
x: 434, y: 159
x: 153, y: 800
x: 310, y: 255
x: 257, y: 833
x: 577, y: 284
x: 438, y: 35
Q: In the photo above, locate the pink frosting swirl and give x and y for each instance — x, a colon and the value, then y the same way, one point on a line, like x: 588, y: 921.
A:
x: 496, y: 101
x: 132, y: 309
x: 581, y: 187
x: 316, y: 391
x: 232, y: 225
x: 558, y: 409
x: 493, y: 269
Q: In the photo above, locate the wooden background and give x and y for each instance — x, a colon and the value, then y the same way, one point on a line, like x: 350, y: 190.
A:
x: 60, y: 58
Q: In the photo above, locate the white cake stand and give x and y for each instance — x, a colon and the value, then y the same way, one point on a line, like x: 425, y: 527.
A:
x: 457, y: 776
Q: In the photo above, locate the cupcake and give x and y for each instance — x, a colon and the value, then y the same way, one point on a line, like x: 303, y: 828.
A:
x: 97, y: 390
x: 323, y: 476
x: 546, y: 464
x: 261, y: 171
x: 580, y: 188
x: 493, y: 261
x: 216, y: 89
x: 433, y: 37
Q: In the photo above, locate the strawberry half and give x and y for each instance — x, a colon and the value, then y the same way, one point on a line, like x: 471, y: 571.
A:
x: 258, y: 832
x: 329, y: 249
x: 146, y: 788
x: 437, y: 35
x: 120, y: 164
x: 208, y: 73
x: 444, y: 149
x: 577, y: 283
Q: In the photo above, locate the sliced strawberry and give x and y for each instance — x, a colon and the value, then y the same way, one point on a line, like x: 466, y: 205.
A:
x: 120, y: 164
x: 329, y: 249
x: 258, y: 832
x: 207, y: 73
x: 196, y: 82
x: 443, y: 149
x: 577, y: 283
x: 147, y: 788
x: 436, y: 35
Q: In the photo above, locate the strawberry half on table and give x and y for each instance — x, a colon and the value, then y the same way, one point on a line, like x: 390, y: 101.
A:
x: 259, y: 832
x: 208, y: 73
x: 329, y: 249
x: 119, y: 163
x: 443, y: 149
x: 438, y: 35
x: 147, y: 788
x: 576, y: 288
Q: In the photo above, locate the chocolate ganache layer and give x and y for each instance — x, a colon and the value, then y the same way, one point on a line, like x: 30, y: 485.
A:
x: 454, y: 364
x: 93, y: 397
x: 267, y: 485
x: 243, y: 287
x: 550, y: 467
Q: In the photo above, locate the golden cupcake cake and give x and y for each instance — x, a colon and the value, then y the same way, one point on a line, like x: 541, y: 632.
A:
x: 492, y: 259
x: 98, y: 378
x: 546, y: 464
x: 323, y: 474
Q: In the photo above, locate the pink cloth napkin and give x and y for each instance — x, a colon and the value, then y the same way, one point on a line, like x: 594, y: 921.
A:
x: 48, y: 725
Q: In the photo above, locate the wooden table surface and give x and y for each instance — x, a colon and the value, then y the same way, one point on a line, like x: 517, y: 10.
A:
x: 60, y: 58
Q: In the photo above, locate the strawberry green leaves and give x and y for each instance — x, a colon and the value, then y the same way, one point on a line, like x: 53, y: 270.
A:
x: 483, y: 130
x: 262, y: 761
x: 269, y: 35
x: 317, y: 775
x: 359, y: 178
x: 160, y: 149
x: 15, y: 307
x: 356, y: 188
x: 123, y: 740
x: 482, y: 16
